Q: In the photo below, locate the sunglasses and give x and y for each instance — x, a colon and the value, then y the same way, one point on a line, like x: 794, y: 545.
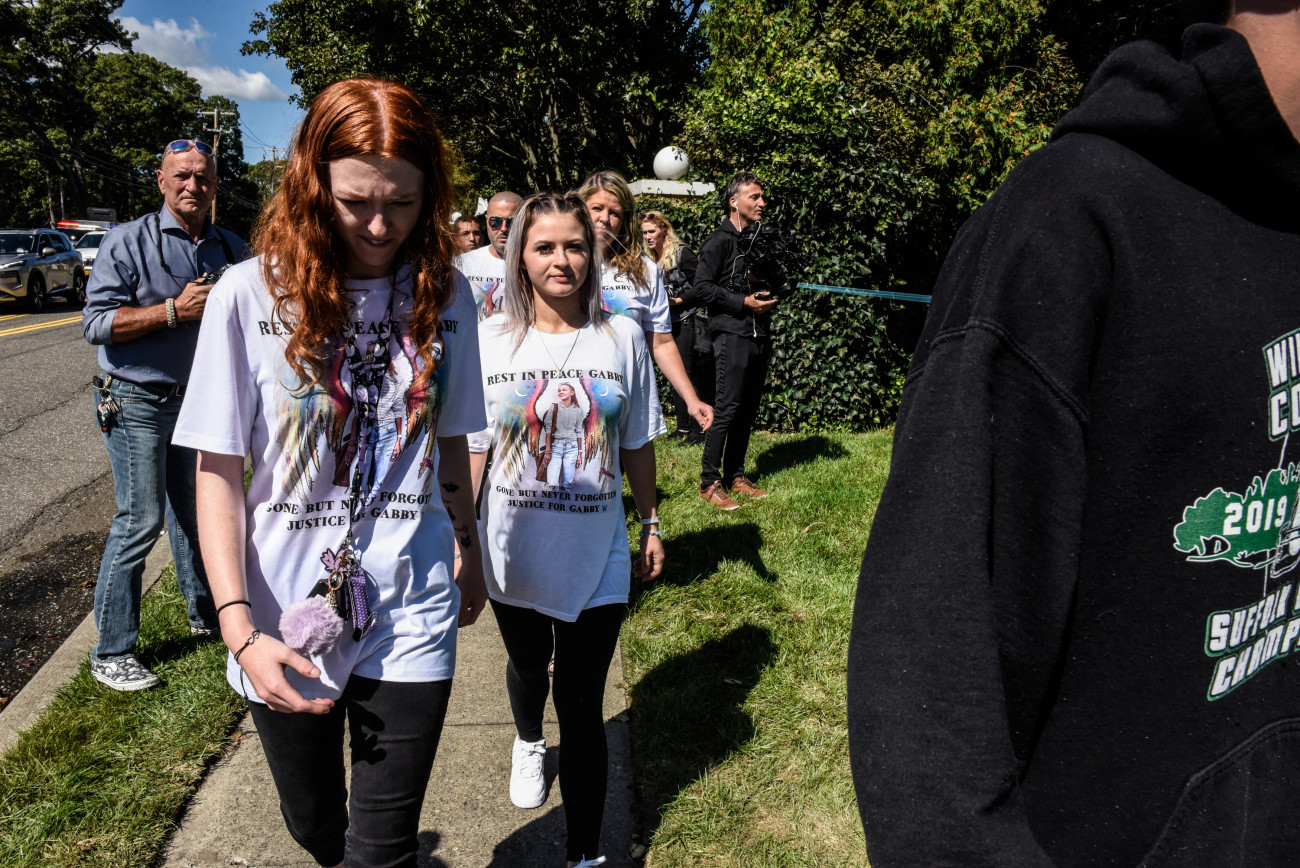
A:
x: 494, y: 223
x: 180, y: 146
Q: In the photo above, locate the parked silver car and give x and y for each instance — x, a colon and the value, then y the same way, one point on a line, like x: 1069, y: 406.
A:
x: 38, y: 264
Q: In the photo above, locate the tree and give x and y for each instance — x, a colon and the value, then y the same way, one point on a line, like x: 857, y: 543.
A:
x: 136, y: 104
x: 533, y: 95
x: 46, y: 49
x: 878, y: 126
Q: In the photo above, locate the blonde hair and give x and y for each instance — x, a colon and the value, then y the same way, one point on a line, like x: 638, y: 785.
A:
x: 672, y: 243
x: 628, y: 260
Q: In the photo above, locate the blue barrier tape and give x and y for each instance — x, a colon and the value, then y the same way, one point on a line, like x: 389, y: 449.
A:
x: 877, y: 293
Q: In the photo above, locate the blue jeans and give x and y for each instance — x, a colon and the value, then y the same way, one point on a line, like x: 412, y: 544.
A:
x: 564, y: 464
x: 152, y: 479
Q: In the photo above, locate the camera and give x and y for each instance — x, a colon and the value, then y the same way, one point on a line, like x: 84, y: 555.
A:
x: 212, y: 276
x: 768, y: 256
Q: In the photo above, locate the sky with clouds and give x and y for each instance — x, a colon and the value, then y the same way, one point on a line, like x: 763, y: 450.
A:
x: 203, y: 37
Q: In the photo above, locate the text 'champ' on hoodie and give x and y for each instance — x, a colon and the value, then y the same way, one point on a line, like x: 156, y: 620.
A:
x: 1076, y: 640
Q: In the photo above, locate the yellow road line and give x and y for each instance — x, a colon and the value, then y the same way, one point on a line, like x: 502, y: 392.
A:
x: 13, y: 316
x: 38, y: 326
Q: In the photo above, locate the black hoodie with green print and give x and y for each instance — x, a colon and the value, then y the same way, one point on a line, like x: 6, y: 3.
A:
x: 1076, y: 640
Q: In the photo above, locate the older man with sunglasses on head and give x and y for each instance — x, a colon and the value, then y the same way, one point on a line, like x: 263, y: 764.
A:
x: 485, y: 267
x: 143, y: 306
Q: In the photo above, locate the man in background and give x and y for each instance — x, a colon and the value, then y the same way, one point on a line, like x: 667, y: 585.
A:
x: 144, y: 302
x: 468, y: 232
x: 485, y: 267
x: 740, y: 305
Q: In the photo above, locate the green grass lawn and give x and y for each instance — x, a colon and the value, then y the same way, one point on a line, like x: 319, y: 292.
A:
x: 735, y: 660
x: 101, y: 778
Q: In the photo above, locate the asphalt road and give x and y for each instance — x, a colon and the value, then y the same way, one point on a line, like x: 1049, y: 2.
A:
x: 50, y: 448
x: 55, y: 486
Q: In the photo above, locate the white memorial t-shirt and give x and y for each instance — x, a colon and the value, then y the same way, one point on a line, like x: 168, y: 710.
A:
x: 486, y: 274
x: 646, y: 306
x: 560, y: 552
x: 242, y: 398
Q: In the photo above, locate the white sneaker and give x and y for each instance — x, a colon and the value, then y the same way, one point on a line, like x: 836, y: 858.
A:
x: 591, y: 863
x: 527, y: 781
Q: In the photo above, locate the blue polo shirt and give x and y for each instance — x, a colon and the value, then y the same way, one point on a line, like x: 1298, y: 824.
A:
x: 132, y: 270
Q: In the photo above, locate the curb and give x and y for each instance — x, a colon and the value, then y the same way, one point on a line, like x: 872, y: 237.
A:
x: 26, y: 706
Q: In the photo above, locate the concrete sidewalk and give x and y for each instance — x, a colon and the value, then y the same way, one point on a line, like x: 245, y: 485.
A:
x: 467, y: 821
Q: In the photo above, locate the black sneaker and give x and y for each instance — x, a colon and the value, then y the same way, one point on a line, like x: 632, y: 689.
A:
x: 123, y: 673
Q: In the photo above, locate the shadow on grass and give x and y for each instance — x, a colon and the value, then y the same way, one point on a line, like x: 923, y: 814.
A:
x: 698, y: 554
x: 686, y: 716
x: 792, y: 453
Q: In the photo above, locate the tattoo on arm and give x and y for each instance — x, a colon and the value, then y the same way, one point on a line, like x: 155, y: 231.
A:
x: 463, y: 537
x: 450, y: 487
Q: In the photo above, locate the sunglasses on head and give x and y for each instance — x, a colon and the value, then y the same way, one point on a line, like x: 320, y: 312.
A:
x: 494, y: 223
x: 180, y: 146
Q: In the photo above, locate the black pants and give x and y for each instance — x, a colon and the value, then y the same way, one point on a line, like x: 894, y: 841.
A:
x: 740, y: 366
x: 699, y: 369
x: 583, y: 650
x: 395, y: 729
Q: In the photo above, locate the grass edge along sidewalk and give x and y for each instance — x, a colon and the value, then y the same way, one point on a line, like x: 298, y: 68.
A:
x: 734, y: 663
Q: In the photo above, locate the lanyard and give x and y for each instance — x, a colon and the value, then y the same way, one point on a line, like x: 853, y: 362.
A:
x: 225, y: 248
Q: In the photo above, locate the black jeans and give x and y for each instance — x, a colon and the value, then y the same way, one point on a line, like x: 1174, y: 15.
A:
x: 699, y: 369
x: 395, y: 727
x: 583, y: 650
x: 740, y: 365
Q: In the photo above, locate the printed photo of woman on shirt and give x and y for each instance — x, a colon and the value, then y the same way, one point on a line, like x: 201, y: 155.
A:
x: 563, y: 427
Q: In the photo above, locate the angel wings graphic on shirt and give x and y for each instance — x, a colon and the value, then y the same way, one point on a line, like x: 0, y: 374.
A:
x: 322, y: 420
x: 521, y: 433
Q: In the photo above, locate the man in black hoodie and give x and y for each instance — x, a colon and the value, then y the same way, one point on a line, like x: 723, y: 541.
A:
x: 1076, y: 638
x: 739, y: 314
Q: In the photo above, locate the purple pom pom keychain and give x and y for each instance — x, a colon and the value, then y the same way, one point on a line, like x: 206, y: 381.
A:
x: 311, y: 626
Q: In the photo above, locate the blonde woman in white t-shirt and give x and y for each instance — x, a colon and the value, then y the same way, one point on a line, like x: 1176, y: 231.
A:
x: 557, y: 555
x: 632, y: 285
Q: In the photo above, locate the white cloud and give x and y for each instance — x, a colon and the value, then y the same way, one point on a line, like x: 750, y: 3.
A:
x: 183, y: 48
x: 237, y: 84
x: 168, y: 41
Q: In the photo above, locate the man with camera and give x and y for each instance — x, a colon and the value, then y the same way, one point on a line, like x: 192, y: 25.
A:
x: 740, y: 300
x: 143, y: 306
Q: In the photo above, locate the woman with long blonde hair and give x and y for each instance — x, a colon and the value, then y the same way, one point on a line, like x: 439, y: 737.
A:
x: 344, y: 360
x: 632, y: 285
x: 677, y: 263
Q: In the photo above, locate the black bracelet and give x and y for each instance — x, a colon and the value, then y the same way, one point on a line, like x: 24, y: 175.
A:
x: 249, y: 641
x: 234, y: 603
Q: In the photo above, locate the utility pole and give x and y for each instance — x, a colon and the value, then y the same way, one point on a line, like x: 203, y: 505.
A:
x: 275, y: 167
x: 216, y: 131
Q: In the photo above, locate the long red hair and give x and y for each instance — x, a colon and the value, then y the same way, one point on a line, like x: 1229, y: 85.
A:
x: 304, y: 259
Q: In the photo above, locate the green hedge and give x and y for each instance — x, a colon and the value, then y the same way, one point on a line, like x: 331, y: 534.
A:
x: 836, y: 359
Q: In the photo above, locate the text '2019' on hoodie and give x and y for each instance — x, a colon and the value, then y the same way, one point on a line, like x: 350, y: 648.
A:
x: 1076, y: 640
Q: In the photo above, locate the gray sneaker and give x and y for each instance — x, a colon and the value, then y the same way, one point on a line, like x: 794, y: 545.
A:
x: 123, y: 673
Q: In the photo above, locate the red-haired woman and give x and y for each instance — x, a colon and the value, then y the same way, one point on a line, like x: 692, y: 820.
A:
x: 344, y: 359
